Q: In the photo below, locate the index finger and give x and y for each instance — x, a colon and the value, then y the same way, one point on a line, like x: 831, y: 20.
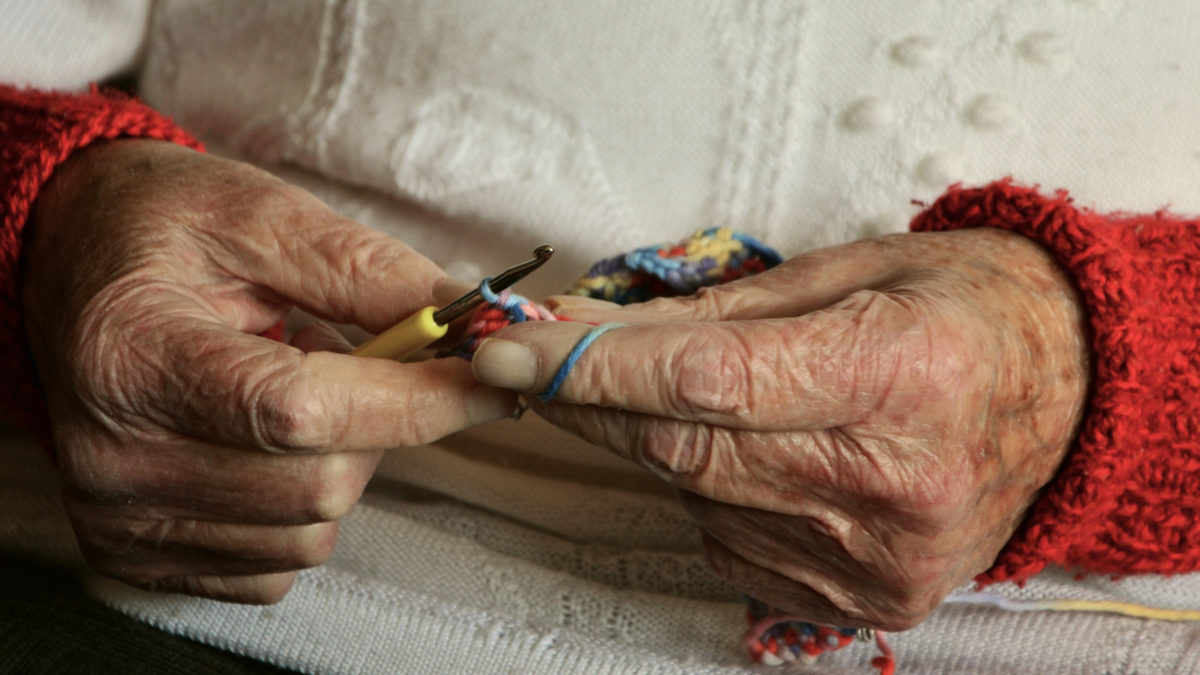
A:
x: 803, y: 284
x: 824, y: 369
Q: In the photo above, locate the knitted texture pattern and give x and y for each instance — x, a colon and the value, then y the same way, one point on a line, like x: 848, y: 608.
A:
x: 1127, y: 496
x: 38, y: 132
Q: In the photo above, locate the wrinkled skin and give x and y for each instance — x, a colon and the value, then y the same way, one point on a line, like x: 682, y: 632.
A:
x: 196, y: 456
x: 856, y: 432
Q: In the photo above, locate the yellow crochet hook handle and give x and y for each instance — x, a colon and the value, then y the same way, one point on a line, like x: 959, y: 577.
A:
x: 429, y: 324
x: 405, y: 338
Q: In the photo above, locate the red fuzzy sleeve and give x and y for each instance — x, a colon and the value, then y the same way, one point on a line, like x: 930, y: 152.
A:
x: 1127, y: 497
x: 38, y: 131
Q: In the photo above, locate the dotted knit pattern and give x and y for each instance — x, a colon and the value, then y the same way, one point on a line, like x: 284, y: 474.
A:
x: 1127, y: 497
x: 38, y: 131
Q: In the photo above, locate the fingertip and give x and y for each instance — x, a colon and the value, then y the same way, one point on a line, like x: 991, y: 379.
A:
x: 506, y: 364
x: 268, y: 589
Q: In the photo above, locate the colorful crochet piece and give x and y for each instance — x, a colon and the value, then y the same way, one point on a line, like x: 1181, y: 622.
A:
x: 709, y: 257
x: 499, y: 310
x: 712, y: 256
x: 775, y: 638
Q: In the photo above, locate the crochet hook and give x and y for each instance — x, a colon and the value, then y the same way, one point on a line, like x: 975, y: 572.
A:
x: 427, y: 325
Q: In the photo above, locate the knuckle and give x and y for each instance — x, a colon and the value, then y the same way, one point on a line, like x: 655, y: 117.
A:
x: 680, y: 449
x: 713, y: 301
x: 333, y: 489
x: 268, y: 593
x: 671, y: 308
x: 287, y: 417
x: 364, y: 249
x: 419, y: 427
x: 711, y: 376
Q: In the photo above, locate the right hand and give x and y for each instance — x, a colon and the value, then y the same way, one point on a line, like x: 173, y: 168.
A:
x: 195, y: 456
x: 857, y: 432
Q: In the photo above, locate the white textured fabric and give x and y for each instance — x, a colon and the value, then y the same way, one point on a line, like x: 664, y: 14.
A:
x: 475, y: 130
x: 67, y: 44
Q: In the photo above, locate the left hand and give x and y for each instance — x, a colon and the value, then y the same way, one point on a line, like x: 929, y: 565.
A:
x: 856, y: 432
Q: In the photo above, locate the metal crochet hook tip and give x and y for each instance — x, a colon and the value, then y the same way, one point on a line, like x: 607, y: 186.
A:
x: 497, y: 283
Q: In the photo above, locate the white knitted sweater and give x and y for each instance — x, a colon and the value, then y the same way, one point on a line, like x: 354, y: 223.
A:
x: 474, y: 130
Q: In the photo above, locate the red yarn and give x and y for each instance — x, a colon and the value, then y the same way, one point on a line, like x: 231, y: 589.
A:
x: 38, y: 131
x: 488, y: 320
x: 1127, y: 497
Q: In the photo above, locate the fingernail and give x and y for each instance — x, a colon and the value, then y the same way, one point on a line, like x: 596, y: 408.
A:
x: 505, y: 364
x: 450, y: 289
x: 485, y: 404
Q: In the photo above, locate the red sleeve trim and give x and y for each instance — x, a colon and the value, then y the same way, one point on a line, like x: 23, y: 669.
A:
x: 1127, y: 497
x: 39, y: 131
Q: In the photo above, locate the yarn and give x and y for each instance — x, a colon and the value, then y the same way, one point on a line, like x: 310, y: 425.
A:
x: 712, y: 256
x: 576, y: 352
x: 775, y: 638
x: 500, y: 310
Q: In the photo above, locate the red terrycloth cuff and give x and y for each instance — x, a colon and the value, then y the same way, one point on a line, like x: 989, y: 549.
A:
x: 38, y: 131
x: 1127, y: 496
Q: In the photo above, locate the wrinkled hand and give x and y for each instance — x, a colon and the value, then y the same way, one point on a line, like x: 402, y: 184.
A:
x: 195, y: 456
x: 856, y: 432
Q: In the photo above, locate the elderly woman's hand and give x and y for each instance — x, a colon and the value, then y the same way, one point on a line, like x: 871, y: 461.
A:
x: 196, y: 456
x: 856, y: 432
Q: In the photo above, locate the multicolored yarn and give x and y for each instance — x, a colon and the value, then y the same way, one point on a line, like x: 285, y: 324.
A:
x: 500, y: 309
x: 775, y: 638
x: 713, y: 256
x: 709, y: 257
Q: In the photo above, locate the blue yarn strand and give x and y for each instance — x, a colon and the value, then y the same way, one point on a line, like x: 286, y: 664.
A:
x: 576, y: 352
x: 512, y: 305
